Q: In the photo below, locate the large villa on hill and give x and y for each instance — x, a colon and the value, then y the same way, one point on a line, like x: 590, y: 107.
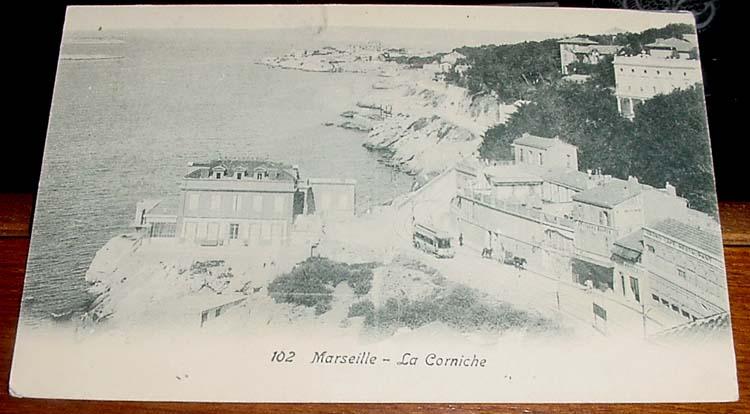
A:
x: 243, y: 202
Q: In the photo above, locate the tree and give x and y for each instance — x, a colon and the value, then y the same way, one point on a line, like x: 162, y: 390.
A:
x: 667, y: 141
x: 673, y: 146
x: 512, y: 71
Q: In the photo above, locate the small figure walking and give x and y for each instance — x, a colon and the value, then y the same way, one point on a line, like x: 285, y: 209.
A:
x: 460, y: 239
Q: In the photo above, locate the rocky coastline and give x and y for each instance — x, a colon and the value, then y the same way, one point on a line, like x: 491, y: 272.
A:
x: 415, y: 121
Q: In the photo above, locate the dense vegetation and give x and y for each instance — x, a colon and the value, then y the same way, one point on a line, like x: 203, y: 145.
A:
x: 601, y: 73
x: 665, y: 142
x: 634, y: 43
x: 460, y: 308
x: 511, y: 71
x: 515, y: 71
x: 416, y: 61
x: 311, y: 283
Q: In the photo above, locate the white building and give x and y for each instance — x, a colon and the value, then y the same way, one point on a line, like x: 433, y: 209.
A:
x: 667, y: 66
x: 545, y: 152
x: 685, y: 266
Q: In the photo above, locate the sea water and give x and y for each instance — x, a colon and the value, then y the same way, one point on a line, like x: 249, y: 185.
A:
x: 125, y: 129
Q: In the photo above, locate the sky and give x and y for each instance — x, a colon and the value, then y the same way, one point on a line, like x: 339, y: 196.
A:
x: 546, y: 19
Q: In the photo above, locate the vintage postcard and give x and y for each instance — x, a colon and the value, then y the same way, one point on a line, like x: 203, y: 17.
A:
x: 376, y: 204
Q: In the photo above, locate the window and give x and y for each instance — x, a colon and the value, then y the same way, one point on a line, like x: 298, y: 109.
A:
x: 568, y: 162
x: 541, y: 161
x: 218, y: 175
x: 604, y: 218
x: 193, y: 200
x: 645, y: 71
x: 675, y: 308
x: 258, y: 203
x: 632, y: 70
x: 658, y: 72
x: 215, y: 201
x: 685, y: 314
x: 278, y: 204
x: 635, y: 289
x: 259, y: 175
x: 650, y: 248
x: 236, y: 202
x: 664, y: 301
x: 681, y: 273
x: 654, y: 297
x: 621, y: 69
x: 234, y: 231
x: 520, y: 153
x: 238, y: 175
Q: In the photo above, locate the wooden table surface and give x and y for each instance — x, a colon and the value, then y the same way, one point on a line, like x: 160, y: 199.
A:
x: 15, y: 217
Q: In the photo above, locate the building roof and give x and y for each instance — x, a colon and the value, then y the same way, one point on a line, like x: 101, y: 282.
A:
x: 633, y: 241
x: 500, y: 174
x: 578, y: 41
x: 610, y: 194
x: 333, y: 181
x: 467, y: 167
x: 672, y: 43
x: 699, y: 330
x: 534, y: 141
x: 708, y: 240
x: 203, y: 169
x: 644, y: 60
x: 607, y: 49
x: 629, y: 247
x: 576, y: 180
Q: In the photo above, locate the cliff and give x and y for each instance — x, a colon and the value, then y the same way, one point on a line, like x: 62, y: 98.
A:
x: 418, y: 122
x: 422, y: 125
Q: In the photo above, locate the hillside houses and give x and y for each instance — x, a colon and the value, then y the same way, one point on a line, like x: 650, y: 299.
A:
x: 592, y: 229
x: 583, y: 50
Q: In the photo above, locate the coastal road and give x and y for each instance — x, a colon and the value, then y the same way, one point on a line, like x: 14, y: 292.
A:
x: 524, y: 289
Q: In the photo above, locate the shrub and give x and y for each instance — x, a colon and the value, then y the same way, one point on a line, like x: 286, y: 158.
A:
x: 311, y: 283
x: 461, y: 308
x: 364, y: 308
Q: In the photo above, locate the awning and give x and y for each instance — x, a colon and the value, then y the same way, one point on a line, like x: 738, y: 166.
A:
x: 620, y: 253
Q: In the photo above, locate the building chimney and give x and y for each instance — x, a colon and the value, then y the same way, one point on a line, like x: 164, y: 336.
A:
x: 670, y: 189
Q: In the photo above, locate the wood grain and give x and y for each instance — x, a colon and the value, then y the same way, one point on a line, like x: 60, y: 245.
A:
x: 15, y: 214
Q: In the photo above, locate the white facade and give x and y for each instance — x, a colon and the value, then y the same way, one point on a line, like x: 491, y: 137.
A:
x: 638, y: 78
x: 686, y: 268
